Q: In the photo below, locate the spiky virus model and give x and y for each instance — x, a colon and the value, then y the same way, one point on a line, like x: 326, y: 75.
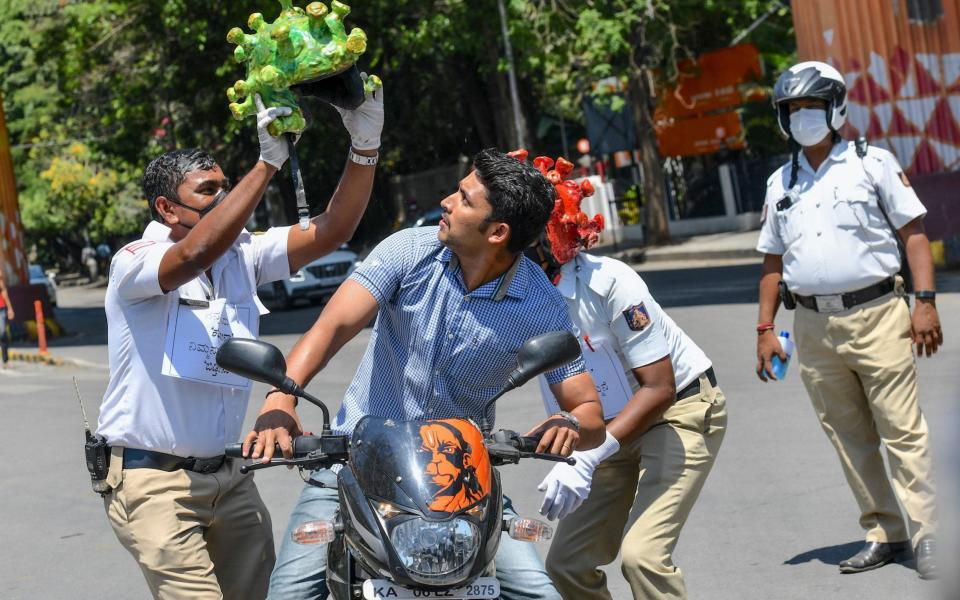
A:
x: 301, y: 45
x: 569, y: 228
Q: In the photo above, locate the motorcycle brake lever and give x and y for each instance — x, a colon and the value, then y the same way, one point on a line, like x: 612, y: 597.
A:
x: 552, y: 457
x: 256, y: 466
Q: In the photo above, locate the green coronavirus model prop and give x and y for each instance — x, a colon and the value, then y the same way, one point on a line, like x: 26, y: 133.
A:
x: 300, y: 46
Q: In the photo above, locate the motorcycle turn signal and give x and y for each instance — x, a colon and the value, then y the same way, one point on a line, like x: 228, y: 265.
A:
x: 528, y: 530
x: 314, y: 532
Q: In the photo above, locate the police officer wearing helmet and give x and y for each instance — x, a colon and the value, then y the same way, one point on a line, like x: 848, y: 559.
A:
x: 832, y: 220
x: 665, y: 420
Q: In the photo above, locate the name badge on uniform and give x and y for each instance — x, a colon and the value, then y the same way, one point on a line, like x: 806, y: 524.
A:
x: 195, y: 331
x: 605, y: 367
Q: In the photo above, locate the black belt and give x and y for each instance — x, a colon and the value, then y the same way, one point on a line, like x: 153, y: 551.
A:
x: 148, y: 459
x: 848, y: 300
x: 694, y: 388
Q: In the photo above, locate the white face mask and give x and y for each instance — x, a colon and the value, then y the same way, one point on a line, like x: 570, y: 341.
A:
x: 809, y: 126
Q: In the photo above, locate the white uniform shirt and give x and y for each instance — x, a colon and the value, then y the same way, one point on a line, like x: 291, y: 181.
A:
x: 833, y: 237
x: 611, y: 305
x: 147, y: 410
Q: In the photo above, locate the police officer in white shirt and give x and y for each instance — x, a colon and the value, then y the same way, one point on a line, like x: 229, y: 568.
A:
x: 831, y: 223
x: 665, y: 421
x: 195, y: 525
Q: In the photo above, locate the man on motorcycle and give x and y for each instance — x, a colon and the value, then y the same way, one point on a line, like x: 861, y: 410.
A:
x: 453, y: 305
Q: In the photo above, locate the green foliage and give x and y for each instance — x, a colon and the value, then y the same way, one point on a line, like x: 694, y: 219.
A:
x: 616, y: 38
x: 129, y: 79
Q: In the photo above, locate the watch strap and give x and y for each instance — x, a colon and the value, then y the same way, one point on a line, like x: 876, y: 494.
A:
x: 575, y: 422
x: 925, y: 295
x: 366, y: 161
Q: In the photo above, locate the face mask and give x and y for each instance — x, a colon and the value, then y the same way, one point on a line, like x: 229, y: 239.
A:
x: 202, y: 211
x: 809, y: 126
x: 540, y: 253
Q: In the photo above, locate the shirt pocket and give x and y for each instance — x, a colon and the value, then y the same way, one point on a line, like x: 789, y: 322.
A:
x: 859, y: 210
x: 790, y: 223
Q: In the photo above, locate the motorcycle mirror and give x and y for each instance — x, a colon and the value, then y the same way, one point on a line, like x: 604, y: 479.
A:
x: 254, y: 360
x: 543, y: 353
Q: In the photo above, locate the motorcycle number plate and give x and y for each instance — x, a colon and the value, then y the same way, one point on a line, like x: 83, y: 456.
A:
x: 481, y: 588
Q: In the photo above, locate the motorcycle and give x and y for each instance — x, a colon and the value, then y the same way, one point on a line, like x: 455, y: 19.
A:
x: 421, y: 503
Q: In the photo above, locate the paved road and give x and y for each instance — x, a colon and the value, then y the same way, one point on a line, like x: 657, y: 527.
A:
x: 772, y: 522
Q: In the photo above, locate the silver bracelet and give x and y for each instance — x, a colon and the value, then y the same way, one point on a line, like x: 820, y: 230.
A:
x: 366, y: 161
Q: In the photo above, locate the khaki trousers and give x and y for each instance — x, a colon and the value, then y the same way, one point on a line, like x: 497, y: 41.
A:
x: 859, y: 370
x: 193, y: 535
x: 660, y: 474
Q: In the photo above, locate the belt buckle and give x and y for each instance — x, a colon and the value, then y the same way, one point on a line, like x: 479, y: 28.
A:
x: 205, y: 466
x: 829, y: 304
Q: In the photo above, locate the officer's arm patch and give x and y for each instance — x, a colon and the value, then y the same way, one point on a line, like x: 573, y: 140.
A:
x: 637, y: 317
x: 903, y: 178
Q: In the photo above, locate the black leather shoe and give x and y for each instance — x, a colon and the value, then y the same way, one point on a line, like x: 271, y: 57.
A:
x: 926, y: 559
x: 874, y: 555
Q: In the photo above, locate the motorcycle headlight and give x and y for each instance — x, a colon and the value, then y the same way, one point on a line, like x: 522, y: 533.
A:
x: 436, y: 552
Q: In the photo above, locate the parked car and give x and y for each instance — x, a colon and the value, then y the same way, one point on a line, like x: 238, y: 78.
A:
x: 38, y: 276
x: 315, y: 282
x: 429, y: 217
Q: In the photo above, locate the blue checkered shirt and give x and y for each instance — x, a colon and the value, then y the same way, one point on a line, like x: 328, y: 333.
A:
x: 438, y: 351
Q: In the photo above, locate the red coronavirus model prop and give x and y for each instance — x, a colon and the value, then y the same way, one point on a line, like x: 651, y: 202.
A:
x: 569, y: 229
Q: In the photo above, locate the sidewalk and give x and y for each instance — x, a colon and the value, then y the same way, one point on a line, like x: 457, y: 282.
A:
x: 738, y: 247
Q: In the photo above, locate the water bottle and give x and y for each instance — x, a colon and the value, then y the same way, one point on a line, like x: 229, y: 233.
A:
x: 780, y: 366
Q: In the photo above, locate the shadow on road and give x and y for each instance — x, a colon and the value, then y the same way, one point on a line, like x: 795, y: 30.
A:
x: 832, y: 555
x: 734, y: 284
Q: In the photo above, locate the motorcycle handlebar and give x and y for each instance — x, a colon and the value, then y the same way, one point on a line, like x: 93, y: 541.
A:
x: 508, y: 447
x: 334, y: 445
x: 527, y: 443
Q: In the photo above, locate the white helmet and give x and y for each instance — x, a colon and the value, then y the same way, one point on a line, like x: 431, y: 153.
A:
x: 811, y: 79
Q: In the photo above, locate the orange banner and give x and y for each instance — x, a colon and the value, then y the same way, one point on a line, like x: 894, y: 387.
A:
x: 12, y: 258
x: 716, y: 80
x: 701, y: 135
x: 901, y: 63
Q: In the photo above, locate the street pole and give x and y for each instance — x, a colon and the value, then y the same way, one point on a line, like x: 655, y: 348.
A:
x: 512, y: 79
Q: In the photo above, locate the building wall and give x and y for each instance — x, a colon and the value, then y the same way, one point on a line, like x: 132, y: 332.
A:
x: 901, y: 63
x: 12, y: 258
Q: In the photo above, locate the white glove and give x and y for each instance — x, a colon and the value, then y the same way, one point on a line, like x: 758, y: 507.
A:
x: 365, y: 122
x: 273, y: 150
x: 567, y: 486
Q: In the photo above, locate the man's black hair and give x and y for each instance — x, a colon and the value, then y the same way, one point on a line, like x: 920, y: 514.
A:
x: 520, y: 196
x: 166, y: 172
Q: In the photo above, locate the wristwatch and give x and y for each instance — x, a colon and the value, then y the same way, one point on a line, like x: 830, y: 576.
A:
x: 575, y: 422
x: 925, y: 295
x: 366, y: 161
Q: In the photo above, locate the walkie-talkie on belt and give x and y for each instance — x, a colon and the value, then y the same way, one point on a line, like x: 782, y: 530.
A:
x: 96, y: 450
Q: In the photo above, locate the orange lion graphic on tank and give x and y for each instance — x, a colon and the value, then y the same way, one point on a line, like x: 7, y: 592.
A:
x: 458, y: 470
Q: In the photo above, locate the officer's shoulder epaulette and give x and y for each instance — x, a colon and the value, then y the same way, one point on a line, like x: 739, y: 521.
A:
x: 258, y: 233
x: 774, y: 176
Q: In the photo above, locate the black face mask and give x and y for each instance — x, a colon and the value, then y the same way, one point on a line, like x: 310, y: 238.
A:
x: 202, y: 211
x: 540, y: 253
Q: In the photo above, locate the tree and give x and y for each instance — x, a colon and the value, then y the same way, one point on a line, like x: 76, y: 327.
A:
x: 640, y: 41
x: 130, y: 79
